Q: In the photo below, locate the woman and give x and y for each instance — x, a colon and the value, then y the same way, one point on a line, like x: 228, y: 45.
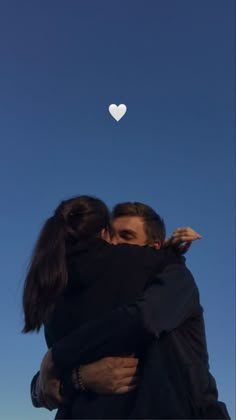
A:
x: 76, y: 275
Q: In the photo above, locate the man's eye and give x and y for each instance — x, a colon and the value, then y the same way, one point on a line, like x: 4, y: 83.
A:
x: 126, y: 236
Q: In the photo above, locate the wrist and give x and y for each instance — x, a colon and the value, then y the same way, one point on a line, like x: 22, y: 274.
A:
x: 77, y: 379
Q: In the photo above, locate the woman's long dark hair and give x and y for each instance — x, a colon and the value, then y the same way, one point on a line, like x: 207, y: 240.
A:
x: 82, y: 217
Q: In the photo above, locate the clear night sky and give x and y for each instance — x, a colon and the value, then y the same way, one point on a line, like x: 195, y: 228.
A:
x: 62, y: 64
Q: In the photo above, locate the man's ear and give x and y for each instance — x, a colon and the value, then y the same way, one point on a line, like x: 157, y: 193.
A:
x: 157, y: 244
x: 105, y: 235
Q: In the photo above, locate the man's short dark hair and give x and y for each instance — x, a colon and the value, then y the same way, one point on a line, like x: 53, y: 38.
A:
x: 154, y: 225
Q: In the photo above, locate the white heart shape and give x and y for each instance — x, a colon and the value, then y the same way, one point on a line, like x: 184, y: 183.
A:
x: 117, y: 112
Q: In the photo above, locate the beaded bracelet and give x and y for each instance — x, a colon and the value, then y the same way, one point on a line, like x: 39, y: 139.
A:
x: 79, y: 380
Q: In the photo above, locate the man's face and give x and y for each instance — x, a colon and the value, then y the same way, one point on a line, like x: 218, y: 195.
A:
x: 129, y: 229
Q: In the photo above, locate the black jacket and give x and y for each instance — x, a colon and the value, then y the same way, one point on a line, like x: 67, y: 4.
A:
x: 165, y: 328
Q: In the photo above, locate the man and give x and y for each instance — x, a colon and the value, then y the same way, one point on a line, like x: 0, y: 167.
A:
x: 164, y: 362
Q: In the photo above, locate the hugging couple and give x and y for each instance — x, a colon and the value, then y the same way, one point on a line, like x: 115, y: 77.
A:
x: 121, y: 315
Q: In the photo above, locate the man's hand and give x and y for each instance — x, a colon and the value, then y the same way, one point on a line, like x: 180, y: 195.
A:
x: 111, y: 375
x: 182, y: 238
x: 48, y: 384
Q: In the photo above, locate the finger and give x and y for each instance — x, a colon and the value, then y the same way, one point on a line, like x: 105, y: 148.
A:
x: 125, y: 389
x: 47, y: 404
x: 51, y: 403
x: 56, y: 398
x: 53, y: 397
x: 184, y: 229
x: 132, y: 380
x: 127, y: 362
x: 42, y: 401
x: 127, y: 382
x: 126, y: 372
x: 128, y: 355
x: 185, y: 232
x: 184, y: 238
x: 42, y: 398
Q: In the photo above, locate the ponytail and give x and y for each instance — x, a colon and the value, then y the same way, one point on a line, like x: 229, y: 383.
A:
x: 75, y: 219
x: 47, y: 276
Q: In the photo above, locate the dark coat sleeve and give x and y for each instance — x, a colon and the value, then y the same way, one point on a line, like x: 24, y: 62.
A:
x: 33, y: 394
x: 168, y: 301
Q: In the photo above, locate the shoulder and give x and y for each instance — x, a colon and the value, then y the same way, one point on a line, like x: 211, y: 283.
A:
x: 181, y: 275
x: 137, y: 251
x: 144, y: 257
x: 148, y: 254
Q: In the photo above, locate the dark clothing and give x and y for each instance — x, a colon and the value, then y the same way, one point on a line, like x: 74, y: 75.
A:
x: 164, y: 327
x: 106, y: 275
x: 103, y: 277
x: 176, y: 383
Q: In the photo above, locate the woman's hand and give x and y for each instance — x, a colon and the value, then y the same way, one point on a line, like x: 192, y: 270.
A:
x: 48, y: 384
x: 182, y: 239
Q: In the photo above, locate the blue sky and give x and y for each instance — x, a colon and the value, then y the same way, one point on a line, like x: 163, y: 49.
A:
x: 62, y: 64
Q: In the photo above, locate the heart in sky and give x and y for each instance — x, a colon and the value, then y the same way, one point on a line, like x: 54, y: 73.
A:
x: 117, y: 112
